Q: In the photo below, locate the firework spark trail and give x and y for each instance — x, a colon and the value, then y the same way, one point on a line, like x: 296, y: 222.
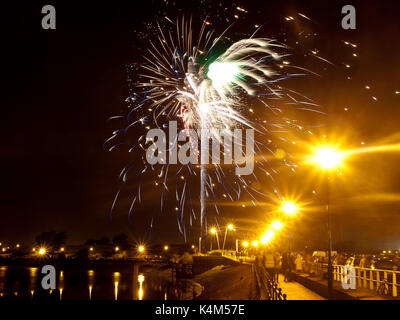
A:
x: 207, y: 90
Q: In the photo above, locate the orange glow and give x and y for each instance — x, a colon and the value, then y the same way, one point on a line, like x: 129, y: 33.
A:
x: 289, y: 208
x: 277, y: 225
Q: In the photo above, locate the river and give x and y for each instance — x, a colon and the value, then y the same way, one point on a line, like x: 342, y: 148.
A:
x: 79, y: 283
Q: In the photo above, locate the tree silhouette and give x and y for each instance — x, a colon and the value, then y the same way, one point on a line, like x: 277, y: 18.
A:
x: 52, y: 239
x: 121, y: 240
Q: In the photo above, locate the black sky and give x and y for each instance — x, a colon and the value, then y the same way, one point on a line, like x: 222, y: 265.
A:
x: 60, y: 86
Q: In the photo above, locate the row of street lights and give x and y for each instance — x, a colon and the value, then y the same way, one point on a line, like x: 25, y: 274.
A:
x: 327, y: 159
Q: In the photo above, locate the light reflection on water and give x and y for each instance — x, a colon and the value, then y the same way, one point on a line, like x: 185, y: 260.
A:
x: 85, y: 284
x: 116, y: 277
x: 125, y: 284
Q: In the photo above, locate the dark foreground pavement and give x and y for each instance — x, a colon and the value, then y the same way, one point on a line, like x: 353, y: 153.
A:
x: 227, y: 283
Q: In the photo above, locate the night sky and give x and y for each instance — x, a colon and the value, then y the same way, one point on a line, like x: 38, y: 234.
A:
x: 60, y: 87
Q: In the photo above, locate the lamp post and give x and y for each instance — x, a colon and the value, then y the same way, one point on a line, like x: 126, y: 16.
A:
x: 228, y: 227
x: 328, y: 158
x: 214, y: 231
x: 290, y: 208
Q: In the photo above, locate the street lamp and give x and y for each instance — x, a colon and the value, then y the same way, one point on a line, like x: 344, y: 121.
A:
x: 266, y: 238
x: 277, y: 225
x: 214, y: 231
x: 141, y: 249
x: 228, y: 227
x: 289, y: 208
x: 328, y: 159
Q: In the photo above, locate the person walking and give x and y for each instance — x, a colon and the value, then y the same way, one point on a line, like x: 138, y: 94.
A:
x: 278, y: 265
x: 362, y: 261
x: 269, y: 264
x: 299, y: 263
x: 285, y: 266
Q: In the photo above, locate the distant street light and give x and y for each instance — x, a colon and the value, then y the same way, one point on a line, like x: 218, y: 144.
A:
x: 228, y: 227
x: 245, y: 244
x: 116, y: 249
x: 166, y: 248
x: 214, y: 231
x: 289, y: 208
x: 266, y: 238
x: 42, y: 251
x: 141, y: 249
x: 255, y: 243
x: 277, y: 225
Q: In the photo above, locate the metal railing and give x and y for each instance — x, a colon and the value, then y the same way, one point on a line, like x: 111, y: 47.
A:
x: 269, y: 289
x: 369, y: 278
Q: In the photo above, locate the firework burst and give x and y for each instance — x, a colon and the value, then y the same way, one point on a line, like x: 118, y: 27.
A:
x: 206, y: 84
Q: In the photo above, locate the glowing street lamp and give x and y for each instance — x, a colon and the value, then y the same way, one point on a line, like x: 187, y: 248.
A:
x: 42, y: 251
x: 228, y: 227
x: 289, y: 208
x: 267, y: 237
x: 328, y: 158
x: 277, y: 225
x: 166, y: 248
x: 214, y: 231
x: 141, y: 249
x: 116, y: 249
x: 245, y: 244
x: 255, y: 243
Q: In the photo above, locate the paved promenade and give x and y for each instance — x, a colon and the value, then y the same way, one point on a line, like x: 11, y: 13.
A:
x: 359, y: 294
x: 296, y: 291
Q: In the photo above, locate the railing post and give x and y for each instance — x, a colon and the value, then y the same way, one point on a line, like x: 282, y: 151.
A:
x: 378, y: 279
x: 334, y: 272
x: 371, y: 280
x: 341, y: 274
x: 358, y: 277
x: 394, y: 284
x: 385, y: 276
x: 364, y: 278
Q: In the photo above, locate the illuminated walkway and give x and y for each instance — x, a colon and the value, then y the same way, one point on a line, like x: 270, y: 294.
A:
x: 295, y: 291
